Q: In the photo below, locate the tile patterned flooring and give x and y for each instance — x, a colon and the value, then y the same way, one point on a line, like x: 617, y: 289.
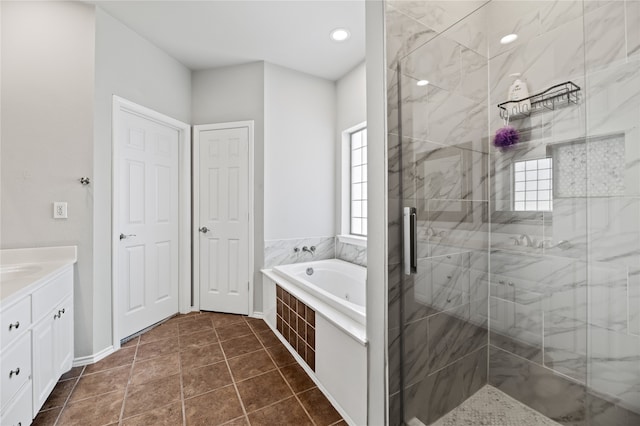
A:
x: 196, y: 369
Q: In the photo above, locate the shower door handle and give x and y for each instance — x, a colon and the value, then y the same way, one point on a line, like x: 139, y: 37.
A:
x: 410, y: 240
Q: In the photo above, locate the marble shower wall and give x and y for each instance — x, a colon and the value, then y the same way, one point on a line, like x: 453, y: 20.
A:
x: 565, y: 311
x: 437, y: 162
x: 613, y: 225
x: 563, y: 291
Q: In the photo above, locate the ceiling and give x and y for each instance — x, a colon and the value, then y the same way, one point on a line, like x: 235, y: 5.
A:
x: 209, y: 34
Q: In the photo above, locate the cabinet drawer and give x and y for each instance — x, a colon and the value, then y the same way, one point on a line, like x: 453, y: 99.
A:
x: 15, y: 368
x: 48, y: 297
x: 19, y: 412
x: 15, y: 321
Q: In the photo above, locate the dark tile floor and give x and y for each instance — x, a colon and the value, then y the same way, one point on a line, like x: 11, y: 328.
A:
x: 197, y: 369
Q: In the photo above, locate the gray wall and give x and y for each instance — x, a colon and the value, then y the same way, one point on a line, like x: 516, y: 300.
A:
x: 130, y: 67
x: 47, y: 134
x: 62, y: 62
x: 299, y: 157
x: 351, y: 98
x: 236, y: 94
x: 351, y: 110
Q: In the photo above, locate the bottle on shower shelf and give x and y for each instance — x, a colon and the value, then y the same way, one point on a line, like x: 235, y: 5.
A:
x: 519, y: 90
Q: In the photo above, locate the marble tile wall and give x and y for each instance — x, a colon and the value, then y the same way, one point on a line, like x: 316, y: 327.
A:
x: 282, y: 252
x: 564, y: 312
x: 585, y: 273
x: 438, y: 154
x: 351, y: 253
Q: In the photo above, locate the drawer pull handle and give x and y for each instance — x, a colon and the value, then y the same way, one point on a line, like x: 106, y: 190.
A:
x: 16, y: 325
x: 14, y: 372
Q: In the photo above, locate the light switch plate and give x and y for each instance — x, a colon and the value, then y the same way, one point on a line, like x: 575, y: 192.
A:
x: 59, y: 210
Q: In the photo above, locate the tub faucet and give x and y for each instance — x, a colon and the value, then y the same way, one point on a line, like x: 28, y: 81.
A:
x: 311, y: 249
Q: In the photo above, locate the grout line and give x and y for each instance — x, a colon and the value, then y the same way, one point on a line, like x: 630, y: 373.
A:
x: 64, y: 405
x: 233, y: 381
x: 284, y: 378
x: 126, y: 389
x: 184, y: 408
x: 233, y: 420
x: 179, y: 372
x: 573, y: 380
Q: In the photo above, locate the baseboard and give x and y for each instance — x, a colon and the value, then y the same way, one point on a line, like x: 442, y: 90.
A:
x: 257, y: 314
x: 92, y: 359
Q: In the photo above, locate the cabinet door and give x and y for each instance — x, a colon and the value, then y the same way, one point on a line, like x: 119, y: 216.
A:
x: 63, y: 337
x: 45, y: 371
x: 19, y: 413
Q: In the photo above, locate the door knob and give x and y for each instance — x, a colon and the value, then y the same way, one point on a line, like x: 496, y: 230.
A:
x: 122, y: 236
x: 204, y: 229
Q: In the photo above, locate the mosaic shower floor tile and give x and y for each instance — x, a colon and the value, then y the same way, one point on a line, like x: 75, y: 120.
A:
x: 492, y: 407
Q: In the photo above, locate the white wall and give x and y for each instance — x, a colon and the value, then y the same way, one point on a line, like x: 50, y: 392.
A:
x: 377, y: 285
x: 351, y: 98
x: 235, y: 94
x: 47, y: 135
x: 351, y: 110
x: 131, y: 67
x: 299, y: 163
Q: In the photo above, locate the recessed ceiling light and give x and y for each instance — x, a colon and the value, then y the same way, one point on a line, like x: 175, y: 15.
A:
x: 509, y: 38
x: 340, y: 34
x: 422, y: 82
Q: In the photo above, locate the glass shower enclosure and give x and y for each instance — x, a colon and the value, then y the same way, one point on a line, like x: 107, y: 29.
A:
x: 515, y: 267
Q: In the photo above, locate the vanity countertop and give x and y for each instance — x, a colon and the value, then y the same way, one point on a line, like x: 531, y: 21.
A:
x: 22, y: 270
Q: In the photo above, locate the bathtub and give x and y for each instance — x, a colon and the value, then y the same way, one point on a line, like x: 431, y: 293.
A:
x: 340, y: 284
x: 331, y: 344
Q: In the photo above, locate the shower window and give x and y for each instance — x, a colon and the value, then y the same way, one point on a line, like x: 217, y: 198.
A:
x: 358, y: 182
x: 532, y: 183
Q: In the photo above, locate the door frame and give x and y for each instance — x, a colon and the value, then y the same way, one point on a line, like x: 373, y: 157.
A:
x: 249, y: 124
x: 120, y: 106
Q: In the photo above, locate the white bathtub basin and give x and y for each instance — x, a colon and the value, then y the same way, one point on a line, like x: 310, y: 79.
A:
x: 340, y: 284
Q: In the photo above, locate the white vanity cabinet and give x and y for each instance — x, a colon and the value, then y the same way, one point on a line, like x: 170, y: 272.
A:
x: 36, y: 333
x: 52, y: 335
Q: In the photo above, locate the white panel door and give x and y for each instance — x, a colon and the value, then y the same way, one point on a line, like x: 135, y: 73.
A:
x: 148, y: 225
x: 224, y: 220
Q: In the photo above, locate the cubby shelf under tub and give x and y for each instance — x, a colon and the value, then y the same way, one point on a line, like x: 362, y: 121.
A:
x: 560, y: 94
